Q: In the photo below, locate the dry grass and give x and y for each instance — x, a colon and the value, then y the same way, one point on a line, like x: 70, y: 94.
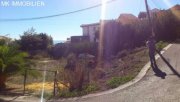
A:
x: 47, y: 86
x: 127, y: 66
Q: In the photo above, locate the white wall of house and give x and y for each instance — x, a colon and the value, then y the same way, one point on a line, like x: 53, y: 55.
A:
x: 90, y: 30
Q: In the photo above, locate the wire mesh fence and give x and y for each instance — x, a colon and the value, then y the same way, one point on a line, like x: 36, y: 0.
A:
x: 40, y: 81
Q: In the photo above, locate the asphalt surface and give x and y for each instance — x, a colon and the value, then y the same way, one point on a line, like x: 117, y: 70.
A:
x: 150, y: 88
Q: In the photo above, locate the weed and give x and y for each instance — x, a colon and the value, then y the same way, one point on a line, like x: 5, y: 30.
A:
x: 160, y: 45
x: 116, y: 81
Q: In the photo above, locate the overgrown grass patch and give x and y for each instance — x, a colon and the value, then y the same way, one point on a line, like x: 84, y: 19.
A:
x: 116, y: 81
x: 160, y: 45
x: 86, y: 90
x: 46, y: 95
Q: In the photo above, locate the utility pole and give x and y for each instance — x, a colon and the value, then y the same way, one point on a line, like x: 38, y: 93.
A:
x: 149, y: 17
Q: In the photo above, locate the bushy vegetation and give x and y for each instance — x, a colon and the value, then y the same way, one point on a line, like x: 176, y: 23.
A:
x: 166, y: 24
x: 92, y: 87
x: 2, y: 42
x: 64, y: 49
x: 35, y: 43
x: 76, y: 72
x: 116, y: 81
x: 11, y: 61
x: 160, y: 45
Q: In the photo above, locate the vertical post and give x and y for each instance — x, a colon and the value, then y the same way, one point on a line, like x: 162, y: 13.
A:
x: 55, y: 74
x: 25, y: 77
x: 148, y: 14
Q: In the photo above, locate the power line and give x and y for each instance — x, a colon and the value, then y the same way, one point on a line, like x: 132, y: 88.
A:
x: 56, y: 15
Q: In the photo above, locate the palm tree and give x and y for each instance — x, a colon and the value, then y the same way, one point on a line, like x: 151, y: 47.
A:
x: 11, y: 62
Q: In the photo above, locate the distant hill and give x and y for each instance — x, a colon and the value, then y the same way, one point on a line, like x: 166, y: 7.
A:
x: 127, y: 18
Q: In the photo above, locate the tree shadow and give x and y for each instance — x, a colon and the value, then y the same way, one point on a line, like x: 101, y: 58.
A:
x: 12, y: 100
x: 9, y: 92
x: 1, y: 100
x: 169, y: 65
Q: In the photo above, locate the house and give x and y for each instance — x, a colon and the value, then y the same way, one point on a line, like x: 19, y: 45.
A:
x: 127, y: 18
x: 143, y: 15
x: 176, y: 7
x: 78, y: 39
x: 5, y: 39
x: 90, y: 30
x: 68, y: 40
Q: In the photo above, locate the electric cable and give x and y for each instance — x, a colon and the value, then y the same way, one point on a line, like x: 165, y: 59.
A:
x: 56, y: 15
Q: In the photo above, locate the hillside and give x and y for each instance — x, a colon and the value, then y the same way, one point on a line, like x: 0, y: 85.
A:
x: 176, y: 10
x: 176, y: 7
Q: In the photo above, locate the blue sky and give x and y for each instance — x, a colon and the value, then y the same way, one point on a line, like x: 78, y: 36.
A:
x: 69, y: 25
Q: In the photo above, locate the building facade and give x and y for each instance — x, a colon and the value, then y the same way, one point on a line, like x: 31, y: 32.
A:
x: 90, y: 30
x: 79, y: 39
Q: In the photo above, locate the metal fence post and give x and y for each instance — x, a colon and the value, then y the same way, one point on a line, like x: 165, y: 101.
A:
x: 55, y: 74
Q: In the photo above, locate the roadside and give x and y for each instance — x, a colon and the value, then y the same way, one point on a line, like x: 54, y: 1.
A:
x: 150, y: 89
x: 141, y: 52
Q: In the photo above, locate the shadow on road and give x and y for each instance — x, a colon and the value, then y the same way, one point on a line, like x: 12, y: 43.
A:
x: 169, y: 65
x: 158, y: 72
x: 12, y: 100
x: 8, y: 92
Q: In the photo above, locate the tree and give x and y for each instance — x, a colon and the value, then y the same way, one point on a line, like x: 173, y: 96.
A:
x: 31, y: 41
x: 166, y: 25
x: 11, y: 62
x: 2, y: 42
x: 142, y: 15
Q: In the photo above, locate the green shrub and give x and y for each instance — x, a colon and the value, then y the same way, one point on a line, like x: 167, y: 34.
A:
x: 46, y: 95
x: 160, y: 45
x: 91, y: 88
x: 2, y: 42
x: 64, y: 49
x: 66, y: 94
x: 116, y: 81
x: 86, y: 90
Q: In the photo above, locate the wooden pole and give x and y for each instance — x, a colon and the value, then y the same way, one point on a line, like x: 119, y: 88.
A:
x: 150, y: 21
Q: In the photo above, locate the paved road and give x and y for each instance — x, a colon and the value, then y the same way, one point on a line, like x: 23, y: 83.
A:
x: 151, y: 88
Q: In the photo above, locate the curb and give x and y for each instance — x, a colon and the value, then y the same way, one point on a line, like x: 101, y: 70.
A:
x: 141, y: 74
